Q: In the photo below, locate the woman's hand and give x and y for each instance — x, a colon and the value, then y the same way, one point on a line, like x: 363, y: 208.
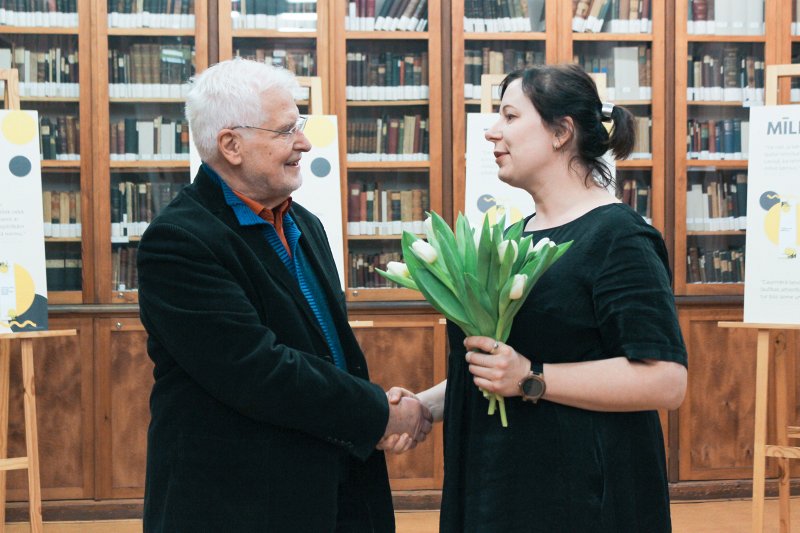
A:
x: 495, y: 366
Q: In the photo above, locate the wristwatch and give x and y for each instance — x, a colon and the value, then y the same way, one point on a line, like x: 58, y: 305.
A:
x: 533, y: 386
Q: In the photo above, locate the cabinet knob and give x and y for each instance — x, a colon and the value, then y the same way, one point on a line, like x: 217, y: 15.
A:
x: 118, y: 325
x: 355, y: 293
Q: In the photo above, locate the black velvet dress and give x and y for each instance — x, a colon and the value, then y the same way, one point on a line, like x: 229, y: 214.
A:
x: 558, y: 468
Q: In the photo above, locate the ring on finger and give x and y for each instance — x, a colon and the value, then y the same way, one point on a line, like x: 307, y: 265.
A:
x: 496, y: 346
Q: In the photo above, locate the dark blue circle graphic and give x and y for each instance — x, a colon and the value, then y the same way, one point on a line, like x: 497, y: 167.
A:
x: 320, y: 167
x: 20, y: 166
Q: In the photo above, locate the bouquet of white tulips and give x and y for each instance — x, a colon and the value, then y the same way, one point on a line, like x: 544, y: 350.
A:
x: 478, y: 283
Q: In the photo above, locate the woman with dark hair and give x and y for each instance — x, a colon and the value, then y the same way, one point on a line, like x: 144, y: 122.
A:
x: 593, y: 353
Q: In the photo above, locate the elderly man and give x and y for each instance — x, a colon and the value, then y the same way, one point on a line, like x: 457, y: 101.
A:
x: 263, y: 417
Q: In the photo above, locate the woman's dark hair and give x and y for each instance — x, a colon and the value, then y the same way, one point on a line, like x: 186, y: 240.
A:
x: 559, y: 91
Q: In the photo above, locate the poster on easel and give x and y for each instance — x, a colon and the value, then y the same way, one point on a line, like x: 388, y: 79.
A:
x: 772, y: 266
x: 23, y: 288
x: 320, y: 192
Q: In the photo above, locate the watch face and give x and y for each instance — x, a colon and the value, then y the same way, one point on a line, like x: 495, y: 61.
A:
x: 533, y: 387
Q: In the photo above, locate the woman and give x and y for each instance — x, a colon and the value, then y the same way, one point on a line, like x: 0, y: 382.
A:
x: 599, y: 331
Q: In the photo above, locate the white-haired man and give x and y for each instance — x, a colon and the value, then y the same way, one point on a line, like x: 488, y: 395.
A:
x: 262, y: 414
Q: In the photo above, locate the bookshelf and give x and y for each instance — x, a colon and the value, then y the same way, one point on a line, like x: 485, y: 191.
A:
x: 614, y: 39
x: 485, y: 50
x: 139, y: 136
x: 629, y: 48
x: 722, y: 49
x: 292, y: 35
x: 387, y: 93
x: 47, y: 47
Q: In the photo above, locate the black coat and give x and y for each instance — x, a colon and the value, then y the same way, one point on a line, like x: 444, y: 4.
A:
x: 252, y: 426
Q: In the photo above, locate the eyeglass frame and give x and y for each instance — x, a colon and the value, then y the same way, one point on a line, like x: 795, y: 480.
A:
x: 298, y: 127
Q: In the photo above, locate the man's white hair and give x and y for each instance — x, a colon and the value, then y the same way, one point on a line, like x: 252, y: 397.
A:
x: 229, y: 94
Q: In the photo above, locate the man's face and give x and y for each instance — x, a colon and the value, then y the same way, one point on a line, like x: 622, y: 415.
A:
x: 271, y: 161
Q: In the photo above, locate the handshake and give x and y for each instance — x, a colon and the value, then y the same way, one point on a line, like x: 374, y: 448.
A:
x: 410, y: 421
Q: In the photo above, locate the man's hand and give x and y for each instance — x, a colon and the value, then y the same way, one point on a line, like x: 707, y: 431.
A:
x: 409, y: 421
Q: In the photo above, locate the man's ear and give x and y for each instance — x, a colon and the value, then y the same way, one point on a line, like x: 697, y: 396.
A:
x: 229, y: 144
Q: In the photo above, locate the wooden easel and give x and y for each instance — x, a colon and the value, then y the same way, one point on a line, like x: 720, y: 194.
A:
x: 761, y: 450
x: 315, y: 101
x: 30, y: 461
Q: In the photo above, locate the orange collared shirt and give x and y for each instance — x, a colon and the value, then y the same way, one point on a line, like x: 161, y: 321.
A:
x: 274, y: 216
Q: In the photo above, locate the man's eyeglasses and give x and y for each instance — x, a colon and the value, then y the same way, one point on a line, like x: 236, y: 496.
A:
x: 287, y: 134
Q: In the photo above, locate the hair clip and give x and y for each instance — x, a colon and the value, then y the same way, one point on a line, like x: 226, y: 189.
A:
x: 606, y: 111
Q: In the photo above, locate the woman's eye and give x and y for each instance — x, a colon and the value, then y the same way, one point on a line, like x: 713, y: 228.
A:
x: 509, y: 118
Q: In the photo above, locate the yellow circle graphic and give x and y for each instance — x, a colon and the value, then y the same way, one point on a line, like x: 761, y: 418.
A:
x: 19, y: 127
x: 25, y: 290
x: 320, y: 131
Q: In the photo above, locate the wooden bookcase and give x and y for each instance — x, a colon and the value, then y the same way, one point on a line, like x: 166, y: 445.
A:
x: 69, y: 174
x: 693, y: 237
x: 237, y: 39
x: 558, y: 44
x: 126, y: 98
x: 424, y: 175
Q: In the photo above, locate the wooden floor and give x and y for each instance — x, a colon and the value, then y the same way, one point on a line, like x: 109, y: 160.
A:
x: 731, y: 516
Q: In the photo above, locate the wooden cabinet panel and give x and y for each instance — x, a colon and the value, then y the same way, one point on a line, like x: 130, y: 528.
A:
x: 717, y: 416
x: 408, y: 352
x: 63, y: 382
x: 124, y: 380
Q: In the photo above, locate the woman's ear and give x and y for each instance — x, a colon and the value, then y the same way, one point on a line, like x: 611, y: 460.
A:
x: 229, y: 144
x: 566, y: 130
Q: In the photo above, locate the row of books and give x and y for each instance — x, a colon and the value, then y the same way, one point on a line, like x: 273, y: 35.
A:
x: 60, y: 137
x: 628, y: 71
x: 388, y: 139
x: 387, y: 76
x: 160, y: 138
x: 726, y: 17
x: 737, y: 77
x: 614, y: 16
x: 39, y: 13
x: 362, y: 269
x: 124, y: 273
x: 718, y: 139
x: 151, y: 63
x: 715, y: 266
x: 150, y: 13
x: 42, y: 61
x: 386, y: 15
x: 61, y: 213
x: 375, y: 211
x: 284, y: 15
x: 491, y: 60
x: 641, y: 145
x: 637, y: 194
x: 135, y: 204
x: 482, y: 16
x: 63, y: 268
x: 717, y: 202
x: 300, y: 60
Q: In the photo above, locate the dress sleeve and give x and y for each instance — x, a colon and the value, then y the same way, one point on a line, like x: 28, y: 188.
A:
x: 633, y: 300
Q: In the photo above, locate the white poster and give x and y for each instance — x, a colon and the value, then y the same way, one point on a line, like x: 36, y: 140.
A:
x: 23, y: 289
x: 485, y: 195
x: 321, y: 189
x: 772, y: 268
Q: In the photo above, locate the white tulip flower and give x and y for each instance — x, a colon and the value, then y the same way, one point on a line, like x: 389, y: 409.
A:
x: 398, y: 269
x: 503, y: 246
x: 425, y: 251
x: 517, y: 286
x: 541, y: 244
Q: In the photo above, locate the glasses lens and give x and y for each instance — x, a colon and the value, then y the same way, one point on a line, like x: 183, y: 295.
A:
x: 301, y: 124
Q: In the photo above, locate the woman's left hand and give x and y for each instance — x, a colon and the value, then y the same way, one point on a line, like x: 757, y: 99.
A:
x: 496, y: 366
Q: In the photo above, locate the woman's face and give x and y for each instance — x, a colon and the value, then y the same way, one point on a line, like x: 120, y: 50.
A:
x: 523, y: 146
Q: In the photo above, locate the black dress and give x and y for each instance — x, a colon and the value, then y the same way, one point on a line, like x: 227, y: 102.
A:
x: 558, y: 468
